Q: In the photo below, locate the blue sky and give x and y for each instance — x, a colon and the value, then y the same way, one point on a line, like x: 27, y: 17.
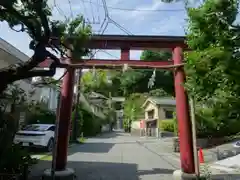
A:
x: 153, y: 18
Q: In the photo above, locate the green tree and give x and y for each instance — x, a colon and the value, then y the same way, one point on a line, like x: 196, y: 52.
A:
x: 137, y: 80
x: 102, y: 81
x: 97, y: 81
x: 213, y: 65
x: 34, y: 17
x: 133, y: 110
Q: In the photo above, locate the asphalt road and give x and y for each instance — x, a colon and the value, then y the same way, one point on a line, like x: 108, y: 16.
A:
x: 118, y: 156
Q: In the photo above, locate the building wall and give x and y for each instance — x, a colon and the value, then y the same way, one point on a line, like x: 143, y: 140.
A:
x: 150, y: 106
x: 7, y: 60
x: 9, y: 55
x: 159, y: 110
x: 162, y: 109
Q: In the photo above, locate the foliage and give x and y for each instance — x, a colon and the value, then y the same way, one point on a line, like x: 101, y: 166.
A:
x: 167, y: 125
x: 131, y: 81
x: 110, y: 117
x: 88, y: 123
x: 159, y: 93
x: 34, y: 18
x: 13, y: 159
x: 12, y: 100
x: 16, y: 161
x: 136, y: 81
x: 39, y: 113
x: 91, y: 124
x: 133, y: 110
x: 13, y: 95
x: 103, y: 82
x: 212, y: 66
x: 96, y: 81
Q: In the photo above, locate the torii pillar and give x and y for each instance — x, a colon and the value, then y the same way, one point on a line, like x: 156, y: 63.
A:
x: 59, y: 170
x: 183, y: 117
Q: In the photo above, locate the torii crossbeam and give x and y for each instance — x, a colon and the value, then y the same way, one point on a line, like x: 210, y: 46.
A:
x: 125, y: 44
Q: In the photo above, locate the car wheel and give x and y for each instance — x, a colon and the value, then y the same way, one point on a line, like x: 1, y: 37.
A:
x: 50, y: 145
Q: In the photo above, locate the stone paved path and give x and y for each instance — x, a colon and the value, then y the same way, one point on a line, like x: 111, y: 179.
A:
x: 118, y: 156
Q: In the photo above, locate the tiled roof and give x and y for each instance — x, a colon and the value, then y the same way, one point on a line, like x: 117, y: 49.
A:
x: 163, y: 101
x: 160, y: 101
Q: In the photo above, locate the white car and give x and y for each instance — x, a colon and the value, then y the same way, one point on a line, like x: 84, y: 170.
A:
x: 236, y: 144
x: 36, y: 135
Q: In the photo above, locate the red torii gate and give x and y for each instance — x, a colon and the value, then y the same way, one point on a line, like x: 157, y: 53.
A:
x: 125, y: 44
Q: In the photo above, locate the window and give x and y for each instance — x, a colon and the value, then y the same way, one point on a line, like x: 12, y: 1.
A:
x: 52, y: 128
x: 35, y: 127
x: 168, y: 114
x: 150, y: 114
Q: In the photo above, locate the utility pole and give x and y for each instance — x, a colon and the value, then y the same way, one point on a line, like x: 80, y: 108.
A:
x: 77, y: 101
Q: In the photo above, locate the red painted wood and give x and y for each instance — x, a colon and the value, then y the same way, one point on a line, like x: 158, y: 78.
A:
x: 183, y: 117
x: 125, y: 54
x: 135, y: 42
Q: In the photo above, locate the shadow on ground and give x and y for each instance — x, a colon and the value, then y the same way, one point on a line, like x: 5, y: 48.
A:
x: 91, y: 148
x: 106, y: 135
x: 101, y: 170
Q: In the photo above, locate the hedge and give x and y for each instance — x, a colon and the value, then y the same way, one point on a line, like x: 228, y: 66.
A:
x: 167, y: 125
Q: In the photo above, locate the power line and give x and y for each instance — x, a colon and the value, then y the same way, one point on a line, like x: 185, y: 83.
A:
x: 132, y: 9
x: 110, y: 20
x: 91, y: 7
x: 109, y: 54
x: 85, y: 10
x: 60, y: 11
x: 70, y: 7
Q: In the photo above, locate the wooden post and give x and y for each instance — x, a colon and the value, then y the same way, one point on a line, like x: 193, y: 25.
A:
x: 194, y: 134
x: 64, y: 118
x: 125, y: 54
x: 182, y: 109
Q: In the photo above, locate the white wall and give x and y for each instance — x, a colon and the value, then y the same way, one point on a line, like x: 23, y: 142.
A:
x: 135, y: 125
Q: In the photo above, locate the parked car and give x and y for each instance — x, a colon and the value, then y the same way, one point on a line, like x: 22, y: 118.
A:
x: 236, y: 144
x: 36, y: 135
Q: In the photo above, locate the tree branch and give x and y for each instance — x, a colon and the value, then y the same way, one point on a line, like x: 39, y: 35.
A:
x: 40, y: 55
x: 34, y: 73
x: 40, y: 11
x: 23, y: 19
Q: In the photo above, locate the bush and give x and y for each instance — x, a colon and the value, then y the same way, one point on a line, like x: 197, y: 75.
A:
x: 89, y: 124
x: 16, y: 161
x: 167, y: 125
x: 209, y: 126
x: 42, y: 116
